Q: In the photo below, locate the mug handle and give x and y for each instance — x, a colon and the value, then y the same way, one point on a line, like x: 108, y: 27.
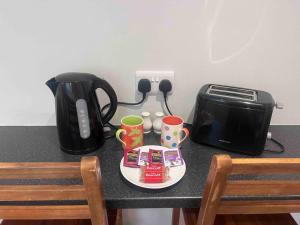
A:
x: 118, y: 133
x: 187, y: 133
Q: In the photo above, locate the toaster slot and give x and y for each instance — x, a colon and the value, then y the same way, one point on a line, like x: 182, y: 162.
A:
x: 232, y: 89
x: 232, y: 92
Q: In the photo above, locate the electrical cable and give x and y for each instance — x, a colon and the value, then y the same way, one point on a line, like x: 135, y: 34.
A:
x: 144, y: 86
x: 165, y: 86
x: 125, y: 103
x: 111, y: 125
x: 166, y: 104
x: 109, y: 136
x: 108, y: 124
x: 282, y: 148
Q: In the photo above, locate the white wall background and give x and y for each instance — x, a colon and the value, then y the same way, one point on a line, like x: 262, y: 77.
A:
x: 248, y: 43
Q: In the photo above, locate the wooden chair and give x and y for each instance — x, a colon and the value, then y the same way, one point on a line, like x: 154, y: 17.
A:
x: 87, y: 198
x: 246, y: 212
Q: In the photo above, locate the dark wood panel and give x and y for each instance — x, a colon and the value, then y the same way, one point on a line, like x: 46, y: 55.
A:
x: 266, y: 219
x: 259, y: 207
x: 46, y: 222
x: 45, y: 212
x: 41, y: 192
x: 40, y: 170
x: 265, y: 165
x: 262, y: 187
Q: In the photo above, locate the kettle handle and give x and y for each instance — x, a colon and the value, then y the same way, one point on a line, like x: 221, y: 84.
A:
x: 100, y: 83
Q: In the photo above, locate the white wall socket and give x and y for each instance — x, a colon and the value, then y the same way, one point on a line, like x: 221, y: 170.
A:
x: 155, y: 77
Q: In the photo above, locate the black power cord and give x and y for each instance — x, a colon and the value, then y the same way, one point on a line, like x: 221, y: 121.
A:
x: 282, y: 148
x: 165, y: 86
x: 111, y: 126
x: 144, y: 86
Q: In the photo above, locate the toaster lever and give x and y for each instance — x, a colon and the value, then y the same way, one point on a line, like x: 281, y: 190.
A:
x: 279, y: 105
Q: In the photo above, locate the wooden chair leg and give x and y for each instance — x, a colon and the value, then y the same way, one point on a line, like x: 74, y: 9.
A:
x: 92, y: 181
x: 190, y: 215
x: 115, y: 216
x: 175, y: 216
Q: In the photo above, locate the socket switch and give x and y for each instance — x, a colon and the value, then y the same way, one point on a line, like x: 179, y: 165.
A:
x: 155, y: 77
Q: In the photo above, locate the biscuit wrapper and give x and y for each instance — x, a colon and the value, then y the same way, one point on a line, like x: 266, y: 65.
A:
x: 154, y: 173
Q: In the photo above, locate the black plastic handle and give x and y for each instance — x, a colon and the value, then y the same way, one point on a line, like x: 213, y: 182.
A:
x: 100, y: 83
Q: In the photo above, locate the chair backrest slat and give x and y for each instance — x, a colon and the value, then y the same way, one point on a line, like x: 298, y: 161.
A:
x: 88, y: 170
x: 42, y: 192
x: 261, y: 187
x: 219, y: 184
x: 265, y: 166
x: 45, y: 212
x: 259, y: 207
x: 38, y: 170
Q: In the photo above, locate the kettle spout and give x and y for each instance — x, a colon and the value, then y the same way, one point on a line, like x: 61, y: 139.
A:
x: 52, y: 84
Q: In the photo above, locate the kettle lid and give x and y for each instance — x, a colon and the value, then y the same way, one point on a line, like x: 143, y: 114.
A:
x: 75, y: 77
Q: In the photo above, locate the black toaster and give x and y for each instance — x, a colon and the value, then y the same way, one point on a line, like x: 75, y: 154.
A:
x: 232, y: 118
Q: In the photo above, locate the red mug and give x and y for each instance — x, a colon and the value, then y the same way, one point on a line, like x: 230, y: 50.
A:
x: 131, y: 132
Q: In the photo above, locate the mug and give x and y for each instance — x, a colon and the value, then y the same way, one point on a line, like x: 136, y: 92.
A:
x: 132, y: 130
x: 171, y: 132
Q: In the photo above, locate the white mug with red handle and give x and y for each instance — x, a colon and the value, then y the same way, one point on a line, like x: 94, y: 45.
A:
x: 172, y: 131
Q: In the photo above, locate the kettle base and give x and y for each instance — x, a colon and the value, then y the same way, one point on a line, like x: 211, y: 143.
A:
x: 80, y: 152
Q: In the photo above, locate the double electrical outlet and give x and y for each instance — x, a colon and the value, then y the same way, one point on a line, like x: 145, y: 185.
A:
x: 155, y: 77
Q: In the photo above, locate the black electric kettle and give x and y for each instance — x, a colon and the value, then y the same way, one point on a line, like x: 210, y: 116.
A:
x: 78, y: 113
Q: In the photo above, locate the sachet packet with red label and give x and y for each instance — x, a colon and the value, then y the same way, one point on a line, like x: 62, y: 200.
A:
x: 154, y: 173
x: 155, y: 156
x: 131, y: 157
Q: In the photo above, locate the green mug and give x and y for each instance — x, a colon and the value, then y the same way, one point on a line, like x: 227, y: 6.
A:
x: 131, y: 132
